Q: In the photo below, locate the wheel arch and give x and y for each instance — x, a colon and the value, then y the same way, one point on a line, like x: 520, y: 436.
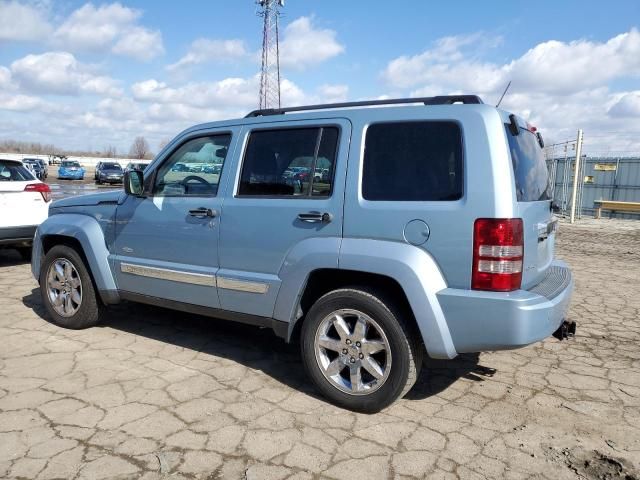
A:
x: 83, y: 234
x: 407, y: 272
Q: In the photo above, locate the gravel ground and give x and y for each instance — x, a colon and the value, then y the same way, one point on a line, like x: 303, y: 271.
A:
x: 155, y: 394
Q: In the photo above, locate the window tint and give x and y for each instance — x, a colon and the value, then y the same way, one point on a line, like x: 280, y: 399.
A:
x: 289, y: 162
x: 413, y: 161
x: 529, y: 167
x: 111, y: 166
x: 194, y: 168
x: 14, y: 172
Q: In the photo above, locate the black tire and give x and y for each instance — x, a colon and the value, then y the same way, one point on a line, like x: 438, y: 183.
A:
x: 25, y: 253
x: 90, y: 309
x: 404, y: 342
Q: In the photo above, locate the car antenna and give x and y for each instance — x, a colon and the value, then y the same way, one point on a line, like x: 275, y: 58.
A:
x: 503, y: 94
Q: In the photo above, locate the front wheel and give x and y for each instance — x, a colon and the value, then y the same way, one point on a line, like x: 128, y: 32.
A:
x: 67, y: 290
x: 360, y: 349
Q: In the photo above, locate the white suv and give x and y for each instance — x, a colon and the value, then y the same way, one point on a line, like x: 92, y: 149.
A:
x: 24, y: 204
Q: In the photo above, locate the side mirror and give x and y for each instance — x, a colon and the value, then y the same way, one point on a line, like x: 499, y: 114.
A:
x: 134, y: 183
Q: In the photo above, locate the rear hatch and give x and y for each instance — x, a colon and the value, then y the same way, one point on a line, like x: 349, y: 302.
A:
x: 533, y: 192
x: 17, y: 206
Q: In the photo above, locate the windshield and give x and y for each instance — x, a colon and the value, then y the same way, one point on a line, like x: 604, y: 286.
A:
x: 14, y: 172
x: 529, y: 167
x: 70, y: 164
x: 111, y: 166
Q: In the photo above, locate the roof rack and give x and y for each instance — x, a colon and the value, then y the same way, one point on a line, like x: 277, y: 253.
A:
x: 438, y: 100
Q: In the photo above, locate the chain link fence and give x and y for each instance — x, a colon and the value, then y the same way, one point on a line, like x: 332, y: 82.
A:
x: 608, y: 177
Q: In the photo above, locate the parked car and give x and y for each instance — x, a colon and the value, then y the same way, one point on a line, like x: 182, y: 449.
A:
x: 36, y: 167
x: 108, y: 172
x: 437, y: 235
x: 56, y: 159
x: 71, y: 170
x: 24, y: 203
x: 136, y: 166
x: 45, y: 166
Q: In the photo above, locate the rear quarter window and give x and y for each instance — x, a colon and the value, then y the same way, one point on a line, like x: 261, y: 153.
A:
x: 529, y: 167
x: 14, y: 172
x: 413, y: 161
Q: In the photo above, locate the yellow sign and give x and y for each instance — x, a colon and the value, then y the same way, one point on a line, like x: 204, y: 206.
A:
x: 605, y: 167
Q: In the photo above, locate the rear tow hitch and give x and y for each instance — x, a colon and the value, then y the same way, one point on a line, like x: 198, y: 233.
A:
x: 565, y: 331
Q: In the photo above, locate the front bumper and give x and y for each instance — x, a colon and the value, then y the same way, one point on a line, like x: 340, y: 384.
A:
x: 111, y: 179
x: 71, y: 175
x: 20, y: 236
x: 485, y: 321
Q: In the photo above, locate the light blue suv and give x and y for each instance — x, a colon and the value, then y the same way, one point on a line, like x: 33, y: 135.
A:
x: 431, y: 229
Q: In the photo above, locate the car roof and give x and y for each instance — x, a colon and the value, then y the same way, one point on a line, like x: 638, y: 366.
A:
x: 394, y: 109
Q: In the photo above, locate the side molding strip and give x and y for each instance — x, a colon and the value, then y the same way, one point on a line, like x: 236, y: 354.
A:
x: 242, y: 285
x: 167, y: 274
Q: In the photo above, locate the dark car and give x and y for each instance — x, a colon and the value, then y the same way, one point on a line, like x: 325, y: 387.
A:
x: 136, y: 166
x: 37, y: 166
x: 109, y: 172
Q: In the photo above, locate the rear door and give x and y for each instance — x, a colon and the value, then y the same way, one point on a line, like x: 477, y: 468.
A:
x: 533, y: 192
x: 276, y: 203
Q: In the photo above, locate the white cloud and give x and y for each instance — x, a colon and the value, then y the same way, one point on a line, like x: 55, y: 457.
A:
x: 303, y: 45
x: 628, y: 105
x: 22, y: 103
x: 60, y: 73
x: 205, y: 50
x: 5, y: 78
x: 552, y: 67
x: 557, y: 86
x: 139, y: 43
x: 111, y: 27
x: 333, y: 93
x: 22, y: 22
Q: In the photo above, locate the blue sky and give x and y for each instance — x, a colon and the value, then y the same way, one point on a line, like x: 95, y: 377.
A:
x: 88, y: 75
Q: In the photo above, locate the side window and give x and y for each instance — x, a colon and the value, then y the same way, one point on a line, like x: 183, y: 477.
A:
x: 194, y: 168
x: 413, y: 161
x: 289, y: 162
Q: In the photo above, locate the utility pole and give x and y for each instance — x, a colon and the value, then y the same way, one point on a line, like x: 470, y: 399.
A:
x: 575, y: 176
x: 269, y: 10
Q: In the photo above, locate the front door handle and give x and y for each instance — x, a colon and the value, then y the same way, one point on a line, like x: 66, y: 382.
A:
x: 315, y: 217
x: 203, y: 212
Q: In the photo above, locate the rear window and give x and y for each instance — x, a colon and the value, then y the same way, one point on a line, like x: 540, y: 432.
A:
x: 70, y: 164
x: 529, y: 167
x: 413, y: 161
x: 14, y: 172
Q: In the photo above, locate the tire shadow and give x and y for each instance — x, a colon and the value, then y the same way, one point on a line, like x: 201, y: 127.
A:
x: 9, y: 257
x: 254, y: 347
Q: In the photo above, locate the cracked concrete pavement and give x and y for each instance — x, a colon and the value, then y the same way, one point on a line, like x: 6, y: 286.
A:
x: 155, y: 393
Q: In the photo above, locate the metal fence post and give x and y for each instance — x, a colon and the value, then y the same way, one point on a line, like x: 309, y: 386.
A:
x: 575, y: 176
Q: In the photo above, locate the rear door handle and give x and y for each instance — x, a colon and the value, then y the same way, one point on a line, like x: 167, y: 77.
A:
x: 315, y: 217
x: 203, y: 212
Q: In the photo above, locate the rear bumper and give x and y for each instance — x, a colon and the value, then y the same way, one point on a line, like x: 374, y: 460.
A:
x: 21, y: 236
x: 483, y: 321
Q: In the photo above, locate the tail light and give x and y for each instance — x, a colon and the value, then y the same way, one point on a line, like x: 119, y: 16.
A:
x: 42, y: 188
x: 498, y: 247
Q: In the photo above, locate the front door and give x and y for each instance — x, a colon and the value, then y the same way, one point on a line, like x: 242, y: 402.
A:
x: 166, y: 243
x: 287, y: 194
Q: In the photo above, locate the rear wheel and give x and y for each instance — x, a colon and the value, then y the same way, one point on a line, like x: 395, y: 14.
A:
x: 359, y: 349
x: 67, y: 290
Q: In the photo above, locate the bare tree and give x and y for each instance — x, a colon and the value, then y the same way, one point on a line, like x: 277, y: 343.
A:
x: 110, y: 151
x: 163, y: 143
x: 139, y: 148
